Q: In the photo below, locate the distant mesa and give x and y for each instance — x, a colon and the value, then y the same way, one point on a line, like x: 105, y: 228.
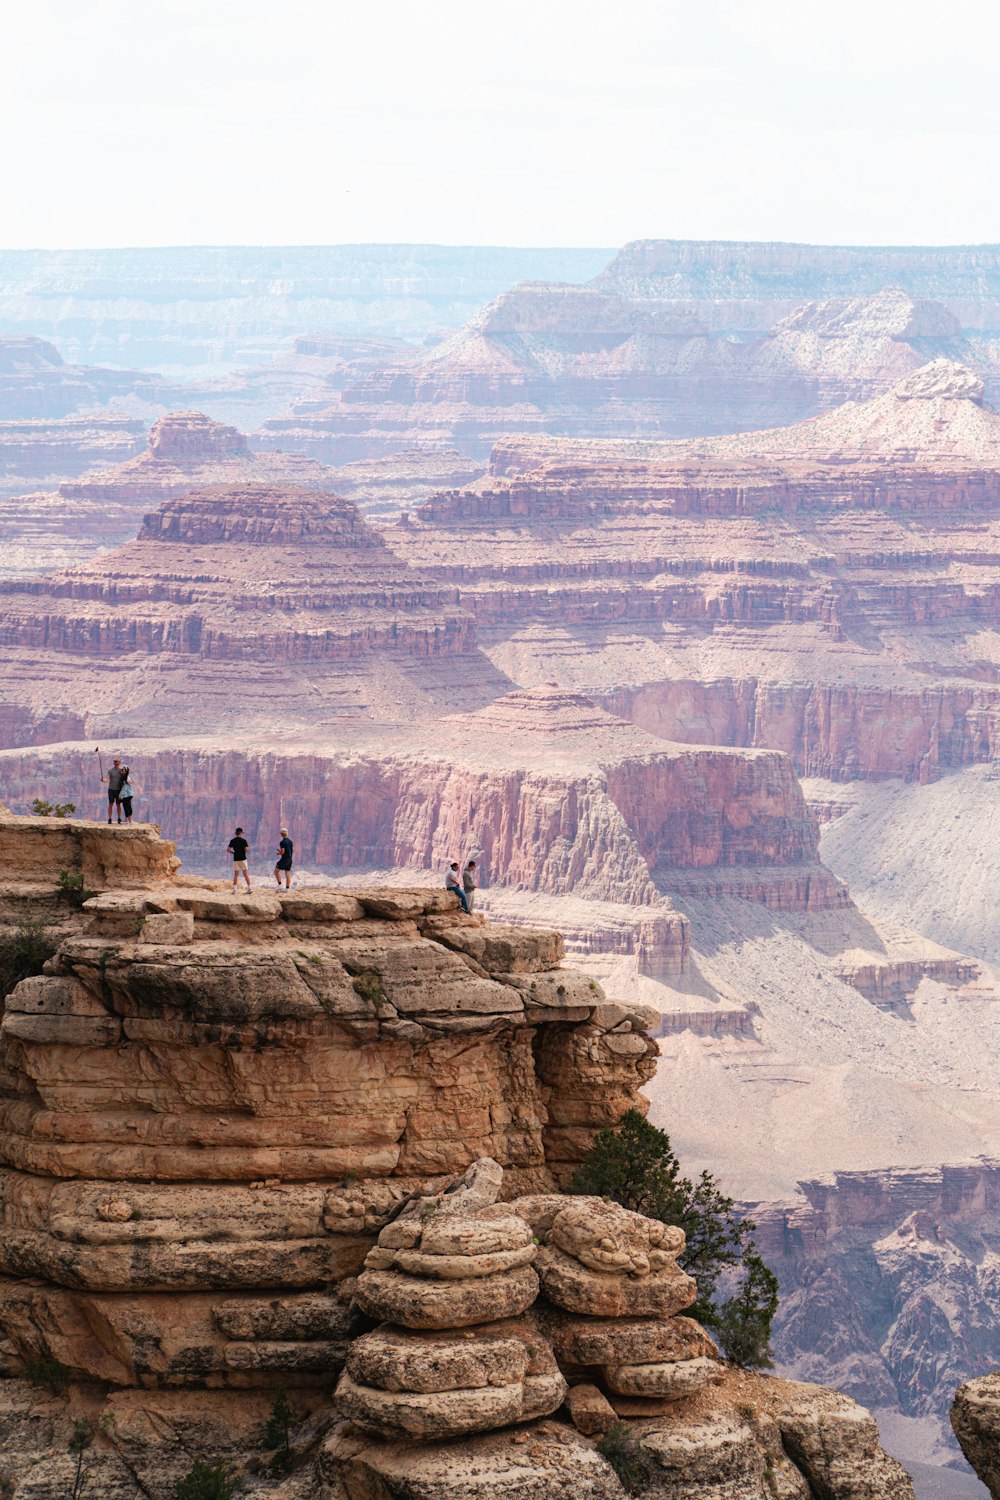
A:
x: 191, y: 437
x: 260, y: 515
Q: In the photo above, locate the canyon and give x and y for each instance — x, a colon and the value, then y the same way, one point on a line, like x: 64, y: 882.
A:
x: 719, y: 704
x: 252, y: 1145
x: 610, y: 360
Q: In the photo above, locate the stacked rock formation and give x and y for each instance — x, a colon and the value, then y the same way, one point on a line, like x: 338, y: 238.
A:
x: 452, y: 1281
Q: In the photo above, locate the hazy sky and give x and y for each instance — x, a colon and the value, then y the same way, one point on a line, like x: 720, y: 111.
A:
x: 527, y: 122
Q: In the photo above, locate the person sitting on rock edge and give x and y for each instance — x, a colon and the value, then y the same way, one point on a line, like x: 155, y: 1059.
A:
x: 238, y: 846
x: 469, y: 884
x: 453, y: 882
x: 285, y: 850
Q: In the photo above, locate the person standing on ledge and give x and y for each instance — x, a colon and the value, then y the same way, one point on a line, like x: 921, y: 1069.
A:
x: 285, y: 850
x: 238, y: 846
x: 469, y: 884
x: 126, y: 794
x: 453, y: 882
x: 116, y: 779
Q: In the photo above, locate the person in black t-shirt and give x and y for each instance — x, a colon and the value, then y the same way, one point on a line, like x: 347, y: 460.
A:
x: 238, y: 846
x: 285, y: 851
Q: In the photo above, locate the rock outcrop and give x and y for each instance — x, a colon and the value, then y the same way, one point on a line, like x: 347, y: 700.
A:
x: 975, y: 1417
x: 231, y: 1124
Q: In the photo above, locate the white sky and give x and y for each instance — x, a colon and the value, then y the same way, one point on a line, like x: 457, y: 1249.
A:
x: 531, y: 122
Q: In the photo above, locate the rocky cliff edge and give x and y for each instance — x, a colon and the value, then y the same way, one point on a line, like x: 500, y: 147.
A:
x: 312, y: 1141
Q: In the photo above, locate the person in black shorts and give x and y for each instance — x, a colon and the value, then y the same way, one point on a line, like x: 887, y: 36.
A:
x: 284, y: 865
x: 116, y: 779
x: 238, y: 847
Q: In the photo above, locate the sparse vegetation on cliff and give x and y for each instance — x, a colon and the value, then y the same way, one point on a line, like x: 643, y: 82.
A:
x: 636, y: 1166
x: 204, y: 1482
x: 23, y: 951
x: 70, y: 888
x: 43, y: 809
x: 633, y: 1465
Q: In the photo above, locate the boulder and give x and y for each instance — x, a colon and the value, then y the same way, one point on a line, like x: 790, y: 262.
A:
x: 612, y: 1341
x: 667, y: 1380
x: 417, y: 1302
x: 547, y: 1461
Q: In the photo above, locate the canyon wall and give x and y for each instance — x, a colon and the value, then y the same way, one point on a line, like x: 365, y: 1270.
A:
x: 889, y: 1284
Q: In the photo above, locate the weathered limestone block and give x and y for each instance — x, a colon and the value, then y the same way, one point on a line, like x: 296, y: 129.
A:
x: 667, y: 1379
x: 116, y: 1236
x: 393, y: 1359
x: 590, y: 1073
x: 574, y: 1287
x: 453, y: 1247
x: 711, y: 1457
x: 544, y: 1462
x: 606, y: 1341
x: 606, y: 1237
x: 108, y: 858
x: 175, y: 1339
x: 308, y: 905
x: 599, y: 1259
x: 169, y: 928
x: 975, y: 1417
x: 443, y: 1414
x: 228, y: 906
x: 590, y: 1410
x: 834, y: 1442
x: 416, y: 1302
x: 500, y: 950
x: 397, y: 903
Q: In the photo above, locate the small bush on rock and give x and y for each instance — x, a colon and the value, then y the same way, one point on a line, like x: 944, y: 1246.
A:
x: 636, y: 1166
x: 634, y: 1466
x: 277, y: 1434
x: 71, y: 888
x: 203, y: 1482
x: 42, y: 809
x: 23, y: 951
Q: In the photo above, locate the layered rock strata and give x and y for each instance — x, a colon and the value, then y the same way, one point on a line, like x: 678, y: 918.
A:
x: 812, y: 589
x: 606, y: 360
x: 87, y: 515
x: 230, y: 1124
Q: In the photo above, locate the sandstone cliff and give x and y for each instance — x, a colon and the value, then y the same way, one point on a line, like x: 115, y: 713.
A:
x: 234, y: 1126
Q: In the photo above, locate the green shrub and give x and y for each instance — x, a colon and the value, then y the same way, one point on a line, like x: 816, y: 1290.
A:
x: 70, y: 888
x: 42, y: 809
x: 202, y: 1482
x: 635, y: 1165
x: 277, y: 1434
x: 634, y: 1466
x: 23, y: 951
x: 743, y: 1321
x: 47, y: 1374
